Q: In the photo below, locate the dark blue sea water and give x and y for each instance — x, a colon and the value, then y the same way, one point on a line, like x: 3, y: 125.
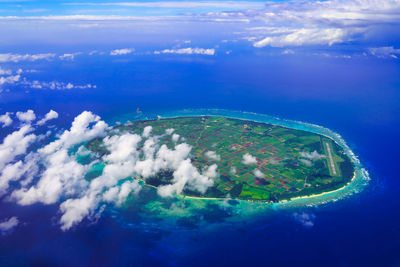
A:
x: 360, y: 99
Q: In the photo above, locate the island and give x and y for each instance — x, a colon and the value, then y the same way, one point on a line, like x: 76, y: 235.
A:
x: 255, y: 161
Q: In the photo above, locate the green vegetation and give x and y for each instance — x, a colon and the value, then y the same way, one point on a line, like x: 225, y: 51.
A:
x: 289, y: 163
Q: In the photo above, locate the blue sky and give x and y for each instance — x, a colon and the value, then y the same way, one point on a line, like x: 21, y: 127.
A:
x: 133, y: 8
x: 39, y: 34
x: 327, y: 25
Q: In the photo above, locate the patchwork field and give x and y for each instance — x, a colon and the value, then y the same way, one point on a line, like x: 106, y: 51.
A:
x: 256, y: 161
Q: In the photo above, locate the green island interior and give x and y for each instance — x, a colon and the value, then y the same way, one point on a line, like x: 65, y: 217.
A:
x: 282, y: 163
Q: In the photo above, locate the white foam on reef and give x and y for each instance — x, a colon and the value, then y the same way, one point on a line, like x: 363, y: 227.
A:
x: 359, y: 181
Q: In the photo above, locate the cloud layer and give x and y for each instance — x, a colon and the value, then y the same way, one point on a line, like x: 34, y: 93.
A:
x: 8, y: 225
x: 52, y: 174
x: 188, y: 51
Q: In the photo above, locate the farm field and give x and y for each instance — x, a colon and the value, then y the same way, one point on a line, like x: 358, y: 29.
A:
x: 255, y: 161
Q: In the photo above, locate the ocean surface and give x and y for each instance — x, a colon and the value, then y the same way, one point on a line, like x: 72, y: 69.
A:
x: 360, y: 229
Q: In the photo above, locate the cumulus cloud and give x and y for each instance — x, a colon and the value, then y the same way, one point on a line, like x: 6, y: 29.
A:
x: 258, y: 173
x: 16, y: 171
x: 146, y: 131
x: 248, y: 159
x: 306, y: 162
x: 124, y: 51
x: 303, y: 36
x: 27, y: 116
x: 212, y: 155
x: 49, y: 116
x: 302, y: 23
x: 69, y: 56
x: 85, y: 126
x: 8, y: 225
x: 5, y: 119
x: 188, y: 51
x: 62, y: 174
x: 9, y: 79
x: 55, y: 85
x: 311, y: 155
x: 169, y: 131
x: 385, y: 52
x: 5, y: 71
x: 52, y: 173
x: 186, y: 175
x: 118, y: 194
x: 16, y: 144
x: 175, y: 137
x: 306, y: 219
x: 9, y: 57
x: 17, y: 79
x: 288, y: 52
x: 211, y: 171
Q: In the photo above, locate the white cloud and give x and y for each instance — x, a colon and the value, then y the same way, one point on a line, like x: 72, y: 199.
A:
x: 15, y: 144
x: 62, y: 174
x: 17, y: 79
x: 232, y: 170
x: 249, y: 159
x: 186, y: 175
x: 212, y: 155
x: 169, y: 131
x: 5, y: 71
x: 9, y: 57
x: 49, y: 116
x: 306, y: 219
x: 188, y: 51
x: 303, y: 36
x: 306, y: 162
x: 146, y: 131
x: 303, y: 23
x: 6, y: 119
x: 211, y: 171
x: 123, y: 51
x: 75, y: 210
x: 175, y: 137
x: 385, y: 52
x: 27, y: 116
x: 8, y: 224
x: 288, y: 52
x: 52, y: 173
x: 311, y: 155
x: 15, y: 171
x: 258, y: 173
x: 69, y: 56
x: 9, y: 79
x: 55, y: 85
x: 85, y: 126
x: 122, y: 147
x: 118, y: 194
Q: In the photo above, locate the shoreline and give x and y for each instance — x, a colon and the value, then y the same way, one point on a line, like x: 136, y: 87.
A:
x: 282, y: 201
x: 321, y: 194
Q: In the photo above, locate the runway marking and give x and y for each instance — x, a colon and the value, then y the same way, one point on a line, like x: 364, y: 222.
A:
x: 328, y: 148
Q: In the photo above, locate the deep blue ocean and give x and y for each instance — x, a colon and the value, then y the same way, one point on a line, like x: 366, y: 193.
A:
x: 359, y: 99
